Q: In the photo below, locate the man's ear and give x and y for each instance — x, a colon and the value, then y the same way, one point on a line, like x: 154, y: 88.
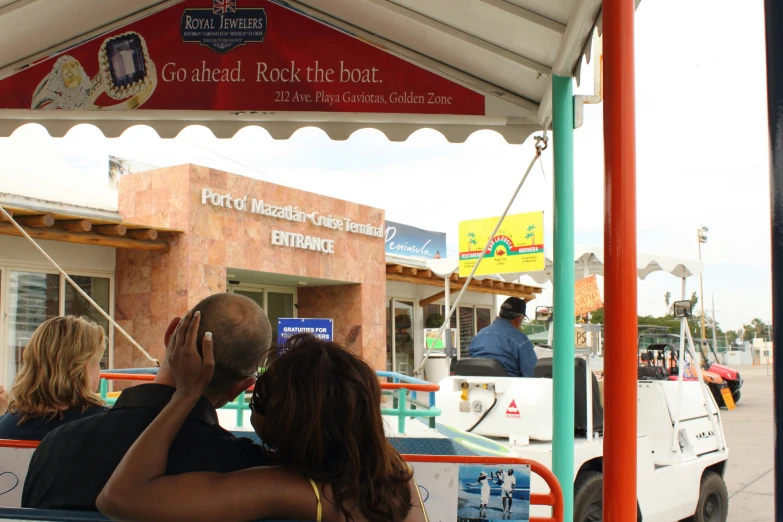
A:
x: 170, y: 331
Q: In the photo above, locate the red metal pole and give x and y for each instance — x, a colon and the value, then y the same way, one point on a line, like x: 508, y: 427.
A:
x: 620, y: 362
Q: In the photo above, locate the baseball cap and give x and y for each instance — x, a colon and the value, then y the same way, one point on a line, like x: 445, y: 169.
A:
x: 515, y: 304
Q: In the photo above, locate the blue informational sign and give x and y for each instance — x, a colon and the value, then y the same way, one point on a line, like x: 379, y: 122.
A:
x: 404, y: 240
x: 287, y: 328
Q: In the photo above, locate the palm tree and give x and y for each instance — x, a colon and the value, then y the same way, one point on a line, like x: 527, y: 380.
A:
x: 472, y: 240
x: 531, y: 233
x: 116, y: 170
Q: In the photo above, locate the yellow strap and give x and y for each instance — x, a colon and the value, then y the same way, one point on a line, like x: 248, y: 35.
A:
x: 317, y: 498
x: 421, y: 502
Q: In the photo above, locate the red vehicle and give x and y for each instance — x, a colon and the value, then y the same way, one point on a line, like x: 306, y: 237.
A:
x: 709, y: 361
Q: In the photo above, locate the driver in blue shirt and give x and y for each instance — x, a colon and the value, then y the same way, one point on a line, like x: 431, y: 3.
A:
x: 503, y: 341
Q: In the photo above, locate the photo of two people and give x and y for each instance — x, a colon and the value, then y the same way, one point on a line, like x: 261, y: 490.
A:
x: 494, y: 493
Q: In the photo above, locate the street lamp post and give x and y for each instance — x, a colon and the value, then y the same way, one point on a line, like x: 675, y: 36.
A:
x: 702, y: 236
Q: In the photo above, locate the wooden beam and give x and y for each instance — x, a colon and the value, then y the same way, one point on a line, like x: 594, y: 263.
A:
x: 85, y: 238
x: 424, y: 273
x: 454, y: 277
x: 81, y: 225
x: 431, y: 299
x: 111, y: 230
x: 146, y: 234
x: 43, y: 221
x: 472, y: 288
x: 10, y: 213
x: 488, y: 282
x: 408, y: 270
x: 393, y: 269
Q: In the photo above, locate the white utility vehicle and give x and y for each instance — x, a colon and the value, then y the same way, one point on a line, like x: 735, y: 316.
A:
x: 681, y: 448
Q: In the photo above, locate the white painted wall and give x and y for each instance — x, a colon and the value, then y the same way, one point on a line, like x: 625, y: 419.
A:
x: 70, y: 256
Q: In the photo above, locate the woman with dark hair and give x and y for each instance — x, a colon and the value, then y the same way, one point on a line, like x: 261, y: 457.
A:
x: 316, y: 404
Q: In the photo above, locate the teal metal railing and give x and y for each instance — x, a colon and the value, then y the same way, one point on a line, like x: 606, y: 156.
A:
x: 403, y: 389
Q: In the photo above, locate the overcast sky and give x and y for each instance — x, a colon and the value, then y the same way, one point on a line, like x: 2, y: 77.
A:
x: 701, y: 155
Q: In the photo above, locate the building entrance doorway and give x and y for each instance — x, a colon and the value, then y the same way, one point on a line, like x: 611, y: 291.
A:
x: 279, y: 302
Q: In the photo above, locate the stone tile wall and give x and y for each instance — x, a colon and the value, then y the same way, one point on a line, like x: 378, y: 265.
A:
x: 151, y: 288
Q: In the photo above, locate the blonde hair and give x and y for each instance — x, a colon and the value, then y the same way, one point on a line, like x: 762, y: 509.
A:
x: 54, y: 372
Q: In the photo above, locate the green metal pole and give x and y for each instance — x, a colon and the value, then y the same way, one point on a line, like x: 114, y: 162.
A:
x: 563, y: 371
x: 104, y: 390
x: 240, y: 411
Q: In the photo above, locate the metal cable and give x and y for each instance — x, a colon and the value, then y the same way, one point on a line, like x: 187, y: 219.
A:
x: 541, y: 145
x: 77, y: 287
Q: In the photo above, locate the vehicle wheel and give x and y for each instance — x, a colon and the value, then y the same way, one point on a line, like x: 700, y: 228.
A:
x: 713, y: 505
x: 718, y: 396
x: 737, y: 394
x: 588, y: 497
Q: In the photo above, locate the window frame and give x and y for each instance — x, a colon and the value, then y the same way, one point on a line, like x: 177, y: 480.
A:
x: 390, y: 300
x: 474, y: 307
x: 5, y: 292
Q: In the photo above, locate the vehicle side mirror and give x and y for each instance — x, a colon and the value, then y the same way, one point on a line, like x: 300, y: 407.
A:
x: 544, y: 313
x: 647, y: 357
x: 682, y: 309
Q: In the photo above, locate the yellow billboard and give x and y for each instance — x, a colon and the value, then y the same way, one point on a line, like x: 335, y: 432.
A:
x: 518, y: 245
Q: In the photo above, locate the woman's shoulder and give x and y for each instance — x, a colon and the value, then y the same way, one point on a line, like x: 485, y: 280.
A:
x: 10, y: 428
x: 36, y: 428
x: 77, y: 413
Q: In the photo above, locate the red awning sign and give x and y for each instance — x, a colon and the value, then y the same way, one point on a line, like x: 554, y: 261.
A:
x: 243, y: 55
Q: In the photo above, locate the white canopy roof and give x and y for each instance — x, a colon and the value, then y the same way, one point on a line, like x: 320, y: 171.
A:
x: 505, y: 50
x: 589, y: 261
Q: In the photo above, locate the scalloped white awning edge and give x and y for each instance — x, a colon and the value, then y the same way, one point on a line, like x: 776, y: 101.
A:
x: 280, y: 130
x: 645, y: 263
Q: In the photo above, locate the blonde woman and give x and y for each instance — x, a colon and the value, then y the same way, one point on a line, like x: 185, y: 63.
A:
x: 60, y: 373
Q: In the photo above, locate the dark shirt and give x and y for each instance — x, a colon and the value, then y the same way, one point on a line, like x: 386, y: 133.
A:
x: 74, y: 462
x: 509, y: 346
x: 36, y: 428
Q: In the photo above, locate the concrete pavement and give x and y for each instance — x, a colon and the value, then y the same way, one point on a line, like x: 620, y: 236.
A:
x: 749, y: 436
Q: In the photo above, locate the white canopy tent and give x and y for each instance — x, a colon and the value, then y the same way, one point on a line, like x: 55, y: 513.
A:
x: 513, y: 60
x: 506, y: 51
x: 589, y: 261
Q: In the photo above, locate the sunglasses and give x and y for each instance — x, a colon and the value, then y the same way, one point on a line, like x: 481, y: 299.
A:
x: 256, y: 403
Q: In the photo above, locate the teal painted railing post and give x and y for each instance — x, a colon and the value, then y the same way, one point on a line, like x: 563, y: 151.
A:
x: 402, y: 409
x: 104, y: 391
x: 563, y: 371
x: 240, y: 400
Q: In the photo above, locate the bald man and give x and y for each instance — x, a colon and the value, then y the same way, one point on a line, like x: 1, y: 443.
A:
x: 74, y: 462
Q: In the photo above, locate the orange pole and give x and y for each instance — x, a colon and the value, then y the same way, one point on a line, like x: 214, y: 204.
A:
x: 620, y: 361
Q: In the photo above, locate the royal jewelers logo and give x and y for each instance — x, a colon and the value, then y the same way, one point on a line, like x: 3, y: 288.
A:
x: 224, y: 26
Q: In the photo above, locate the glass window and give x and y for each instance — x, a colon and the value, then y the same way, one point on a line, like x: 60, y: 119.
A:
x: 32, y: 299
x: 483, y: 318
x: 280, y: 305
x: 431, y: 312
x: 466, y: 329
x: 389, y: 337
x: 403, y: 337
x: 75, y: 304
x: 256, y: 296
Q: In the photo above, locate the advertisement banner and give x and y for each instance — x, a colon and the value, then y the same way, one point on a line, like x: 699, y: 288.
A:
x: 287, y: 328
x: 438, y: 344
x: 474, y: 492
x: 494, y: 492
x: 587, y: 296
x: 233, y: 55
x: 404, y: 240
x: 518, y: 245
